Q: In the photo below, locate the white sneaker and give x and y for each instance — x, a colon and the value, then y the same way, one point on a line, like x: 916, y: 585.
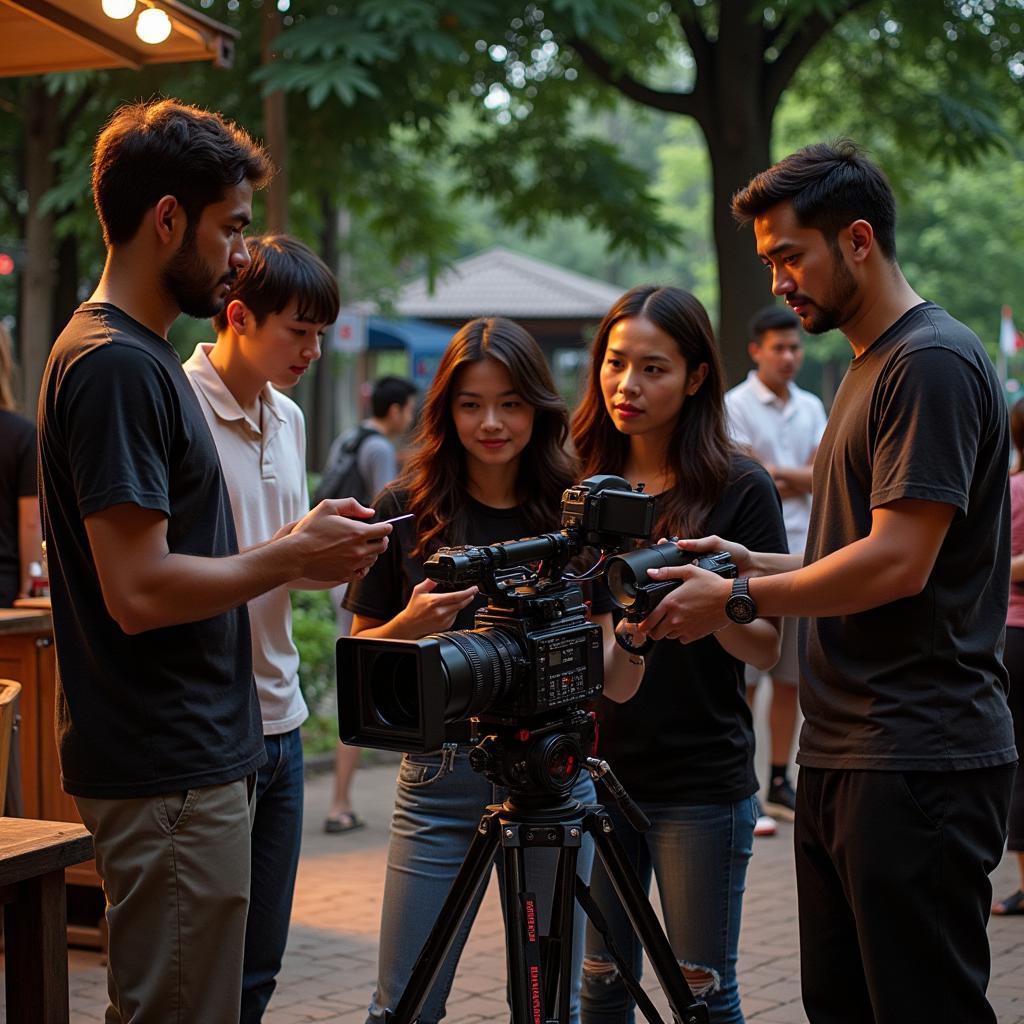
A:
x: 765, y: 824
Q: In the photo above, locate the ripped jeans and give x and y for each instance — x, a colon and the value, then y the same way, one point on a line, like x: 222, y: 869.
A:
x: 699, y: 854
x: 438, y: 805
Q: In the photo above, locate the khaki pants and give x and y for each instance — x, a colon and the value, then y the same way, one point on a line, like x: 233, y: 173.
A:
x: 175, y: 871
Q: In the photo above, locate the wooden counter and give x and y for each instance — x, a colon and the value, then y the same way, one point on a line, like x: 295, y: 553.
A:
x: 27, y: 655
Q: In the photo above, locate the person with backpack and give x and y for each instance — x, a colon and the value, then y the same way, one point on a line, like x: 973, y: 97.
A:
x: 362, y: 461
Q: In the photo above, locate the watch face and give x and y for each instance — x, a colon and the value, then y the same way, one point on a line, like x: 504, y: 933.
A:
x: 740, y: 608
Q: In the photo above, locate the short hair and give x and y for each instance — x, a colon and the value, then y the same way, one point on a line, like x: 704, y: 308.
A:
x: 148, y: 150
x: 389, y: 391
x: 772, y: 318
x: 830, y: 184
x: 282, y: 269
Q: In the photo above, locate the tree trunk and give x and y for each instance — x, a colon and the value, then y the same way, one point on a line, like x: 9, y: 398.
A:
x: 65, y: 293
x: 737, y: 124
x: 321, y: 429
x: 275, y: 130
x: 743, y: 285
x: 35, y: 327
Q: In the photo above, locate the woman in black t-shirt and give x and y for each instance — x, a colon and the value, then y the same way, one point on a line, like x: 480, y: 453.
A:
x: 488, y: 466
x: 683, y: 745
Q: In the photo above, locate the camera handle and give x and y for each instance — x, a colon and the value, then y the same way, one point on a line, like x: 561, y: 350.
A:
x: 602, y: 770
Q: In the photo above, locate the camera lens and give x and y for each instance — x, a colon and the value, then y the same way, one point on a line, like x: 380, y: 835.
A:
x: 622, y: 581
x: 481, y: 668
x: 627, y: 574
x: 393, y: 687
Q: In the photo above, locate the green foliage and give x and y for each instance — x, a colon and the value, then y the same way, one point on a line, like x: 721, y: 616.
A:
x: 314, y: 632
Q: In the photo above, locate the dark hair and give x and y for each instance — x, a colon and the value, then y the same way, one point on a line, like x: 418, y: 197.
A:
x: 283, y: 269
x: 1017, y: 431
x: 389, y: 391
x: 435, y: 476
x: 699, y: 451
x: 830, y: 184
x: 772, y: 318
x: 148, y: 150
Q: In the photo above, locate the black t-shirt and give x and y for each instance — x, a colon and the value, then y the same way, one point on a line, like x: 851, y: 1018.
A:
x: 386, y: 588
x: 167, y: 709
x: 17, y: 480
x: 916, y: 684
x: 687, y: 735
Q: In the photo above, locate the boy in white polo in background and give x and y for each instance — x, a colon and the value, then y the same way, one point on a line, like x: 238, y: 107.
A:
x: 782, y: 425
x: 268, y: 335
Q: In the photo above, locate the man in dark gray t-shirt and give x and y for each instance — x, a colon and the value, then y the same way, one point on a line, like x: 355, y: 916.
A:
x: 907, y: 752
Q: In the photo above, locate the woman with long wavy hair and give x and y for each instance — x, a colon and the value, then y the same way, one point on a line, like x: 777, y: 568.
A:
x: 683, y: 746
x: 488, y: 465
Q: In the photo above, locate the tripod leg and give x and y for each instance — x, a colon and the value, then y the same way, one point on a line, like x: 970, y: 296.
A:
x: 558, y: 965
x: 645, y: 922
x: 472, y: 874
x: 522, y: 942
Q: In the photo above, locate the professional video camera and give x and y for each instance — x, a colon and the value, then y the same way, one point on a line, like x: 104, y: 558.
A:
x: 532, y: 652
x: 526, y: 673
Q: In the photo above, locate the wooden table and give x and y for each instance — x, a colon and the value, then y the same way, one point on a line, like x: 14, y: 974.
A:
x: 33, y: 856
x: 27, y: 655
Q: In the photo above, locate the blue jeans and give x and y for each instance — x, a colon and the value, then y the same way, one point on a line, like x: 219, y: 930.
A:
x: 276, y: 839
x: 436, y: 815
x: 699, y: 855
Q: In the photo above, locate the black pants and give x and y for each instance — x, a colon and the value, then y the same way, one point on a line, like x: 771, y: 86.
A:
x: 894, y: 896
x: 1013, y: 659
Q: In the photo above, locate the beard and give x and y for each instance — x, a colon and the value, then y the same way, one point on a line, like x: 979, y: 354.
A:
x: 191, y: 281
x: 832, y: 312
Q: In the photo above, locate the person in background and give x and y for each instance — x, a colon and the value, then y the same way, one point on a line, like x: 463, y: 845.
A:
x: 158, y: 721
x: 361, y: 462
x: 488, y: 465
x: 683, y: 745
x: 781, y: 424
x: 1013, y: 656
x: 20, y: 536
x: 268, y: 336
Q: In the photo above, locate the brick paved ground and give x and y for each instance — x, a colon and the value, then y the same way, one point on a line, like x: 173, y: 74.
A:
x: 329, y: 968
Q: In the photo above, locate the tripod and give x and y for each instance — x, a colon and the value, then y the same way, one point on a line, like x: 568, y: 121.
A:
x: 539, y: 770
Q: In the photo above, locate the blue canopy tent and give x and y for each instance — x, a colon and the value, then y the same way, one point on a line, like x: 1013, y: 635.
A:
x: 423, y: 342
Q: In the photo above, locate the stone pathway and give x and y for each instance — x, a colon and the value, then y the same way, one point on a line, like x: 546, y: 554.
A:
x: 331, y: 960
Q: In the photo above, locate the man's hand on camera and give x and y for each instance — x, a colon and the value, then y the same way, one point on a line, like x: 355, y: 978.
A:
x: 429, y: 612
x: 692, y: 610
x: 738, y: 554
x: 336, y: 545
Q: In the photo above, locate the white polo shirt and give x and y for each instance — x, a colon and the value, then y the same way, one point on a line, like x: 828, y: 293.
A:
x: 780, y: 433
x: 264, y: 465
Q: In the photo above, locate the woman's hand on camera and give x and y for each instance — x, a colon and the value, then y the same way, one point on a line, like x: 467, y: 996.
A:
x: 429, y: 612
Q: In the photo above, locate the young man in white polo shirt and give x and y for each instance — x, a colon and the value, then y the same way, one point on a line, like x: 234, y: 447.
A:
x: 782, y: 425
x: 268, y: 335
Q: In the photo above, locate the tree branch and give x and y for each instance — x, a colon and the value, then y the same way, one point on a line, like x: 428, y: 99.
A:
x: 812, y: 30
x: 700, y: 46
x: 673, y: 102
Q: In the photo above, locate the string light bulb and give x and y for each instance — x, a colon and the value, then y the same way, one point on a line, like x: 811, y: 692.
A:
x: 118, y: 9
x: 153, y: 26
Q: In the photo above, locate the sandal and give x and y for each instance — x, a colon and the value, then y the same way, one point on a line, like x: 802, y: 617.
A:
x: 1011, y: 905
x: 343, y: 821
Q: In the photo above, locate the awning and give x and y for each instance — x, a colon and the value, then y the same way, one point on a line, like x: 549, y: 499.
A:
x: 416, y: 336
x: 40, y: 36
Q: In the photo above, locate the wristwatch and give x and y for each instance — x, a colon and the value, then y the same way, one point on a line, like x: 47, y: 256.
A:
x: 740, y: 607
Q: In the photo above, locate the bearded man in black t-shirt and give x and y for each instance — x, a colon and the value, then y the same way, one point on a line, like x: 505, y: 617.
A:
x: 157, y: 718
x: 907, y: 753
